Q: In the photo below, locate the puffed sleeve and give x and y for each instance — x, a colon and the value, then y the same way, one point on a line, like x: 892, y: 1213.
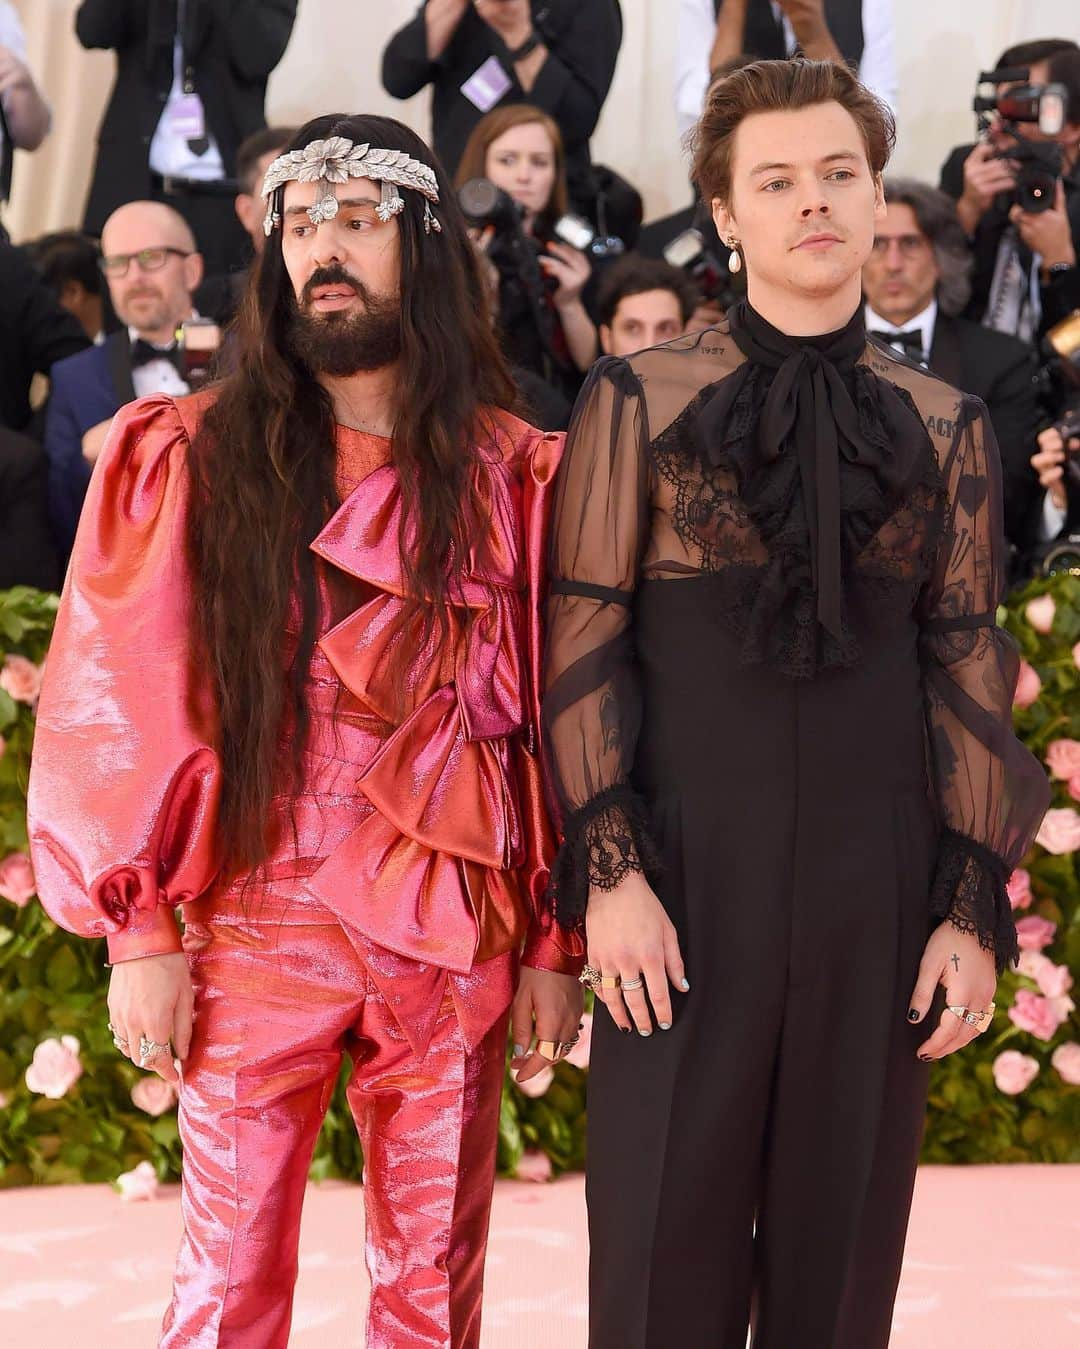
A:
x: 592, y: 701
x: 991, y: 792
x: 548, y: 944
x: 125, y: 781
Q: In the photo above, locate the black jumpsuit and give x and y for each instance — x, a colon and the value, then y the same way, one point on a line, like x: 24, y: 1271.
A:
x: 775, y: 685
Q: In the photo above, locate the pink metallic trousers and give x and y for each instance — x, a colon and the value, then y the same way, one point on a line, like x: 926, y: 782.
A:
x: 276, y: 1007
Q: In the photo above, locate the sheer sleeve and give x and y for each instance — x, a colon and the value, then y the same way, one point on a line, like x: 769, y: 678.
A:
x: 125, y: 779
x: 991, y: 792
x: 592, y: 700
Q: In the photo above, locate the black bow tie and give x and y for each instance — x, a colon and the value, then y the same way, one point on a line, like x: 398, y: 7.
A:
x: 143, y: 352
x: 910, y: 339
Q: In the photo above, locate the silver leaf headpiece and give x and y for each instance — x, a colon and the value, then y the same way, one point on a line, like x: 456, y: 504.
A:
x: 336, y: 160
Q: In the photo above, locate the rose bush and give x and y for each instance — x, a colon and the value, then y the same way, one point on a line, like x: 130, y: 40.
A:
x: 1012, y: 1096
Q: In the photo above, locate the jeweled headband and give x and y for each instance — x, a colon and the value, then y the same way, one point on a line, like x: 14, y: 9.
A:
x: 336, y: 160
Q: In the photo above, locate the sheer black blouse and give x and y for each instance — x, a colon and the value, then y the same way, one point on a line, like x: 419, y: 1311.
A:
x: 811, y: 479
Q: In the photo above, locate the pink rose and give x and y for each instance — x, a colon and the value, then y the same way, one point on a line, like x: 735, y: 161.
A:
x: 17, y: 879
x: 3, y: 746
x: 579, y: 1055
x: 1060, y: 830
x: 55, y: 1067
x: 1013, y: 1071
x: 1076, y: 655
x: 1033, y: 932
x: 1054, y: 980
x: 534, y: 1165
x: 142, y: 1183
x: 153, y: 1094
x: 1040, y: 613
x: 1063, y: 1007
x: 1074, y: 787
x: 1019, y: 888
x: 21, y: 679
x: 1063, y: 758
x: 1038, y: 1016
x: 1028, y: 686
x: 538, y: 1085
x: 1066, y: 1059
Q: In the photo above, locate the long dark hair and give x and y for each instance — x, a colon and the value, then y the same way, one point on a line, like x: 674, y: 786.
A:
x: 263, y: 466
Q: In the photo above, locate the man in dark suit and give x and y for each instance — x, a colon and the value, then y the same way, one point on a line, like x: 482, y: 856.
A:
x: 27, y: 556
x: 915, y: 284
x: 190, y: 86
x: 153, y: 269
x: 35, y: 332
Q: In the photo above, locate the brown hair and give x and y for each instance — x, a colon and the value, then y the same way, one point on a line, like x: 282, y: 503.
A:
x: 263, y: 466
x: 779, y: 86
x: 473, y: 163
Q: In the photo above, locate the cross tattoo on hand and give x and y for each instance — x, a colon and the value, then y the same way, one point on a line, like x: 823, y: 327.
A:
x: 955, y: 960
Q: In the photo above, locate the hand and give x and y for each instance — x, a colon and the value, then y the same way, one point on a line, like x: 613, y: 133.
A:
x: 984, y: 177
x: 549, y: 1004
x: 511, y: 19
x: 571, y: 270
x: 1049, y: 464
x: 94, y: 439
x: 630, y: 934
x: 152, y: 996
x: 1047, y: 233
x: 483, y: 239
x: 957, y: 962
x: 13, y: 73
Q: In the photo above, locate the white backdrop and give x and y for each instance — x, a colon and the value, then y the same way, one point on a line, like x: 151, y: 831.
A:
x: 333, y: 65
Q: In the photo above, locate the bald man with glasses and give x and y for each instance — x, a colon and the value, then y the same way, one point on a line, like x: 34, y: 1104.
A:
x: 152, y: 265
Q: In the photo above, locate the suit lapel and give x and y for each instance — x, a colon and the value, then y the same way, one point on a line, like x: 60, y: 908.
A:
x: 946, y: 358
x: 118, y: 354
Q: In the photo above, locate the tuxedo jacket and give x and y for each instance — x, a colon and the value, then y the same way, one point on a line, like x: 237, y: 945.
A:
x: 1001, y: 370
x: 86, y: 389
x: 231, y: 46
x: 27, y: 555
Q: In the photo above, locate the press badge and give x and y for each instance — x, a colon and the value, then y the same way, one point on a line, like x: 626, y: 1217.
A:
x: 484, y: 88
x: 185, y: 117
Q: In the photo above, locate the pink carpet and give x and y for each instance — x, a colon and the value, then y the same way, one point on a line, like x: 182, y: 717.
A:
x: 993, y: 1262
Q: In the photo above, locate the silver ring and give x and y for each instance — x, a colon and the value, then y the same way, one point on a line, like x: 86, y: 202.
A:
x: 629, y: 985
x: 150, y: 1050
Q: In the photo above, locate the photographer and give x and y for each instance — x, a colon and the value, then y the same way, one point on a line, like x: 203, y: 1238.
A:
x: 543, y: 322
x: 1025, y: 275
x: 1057, y: 463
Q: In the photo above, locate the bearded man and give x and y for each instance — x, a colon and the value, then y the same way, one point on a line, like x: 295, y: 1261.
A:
x: 292, y: 690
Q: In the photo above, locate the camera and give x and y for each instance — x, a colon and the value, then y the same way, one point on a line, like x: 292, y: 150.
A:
x: 691, y: 254
x: 576, y: 231
x: 1039, y: 165
x: 199, y: 340
x: 483, y: 204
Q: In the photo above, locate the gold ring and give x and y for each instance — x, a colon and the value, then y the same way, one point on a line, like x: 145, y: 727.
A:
x: 611, y: 981
x: 590, y: 977
x: 549, y: 1049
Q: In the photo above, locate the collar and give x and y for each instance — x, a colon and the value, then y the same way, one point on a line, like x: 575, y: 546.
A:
x: 925, y: 321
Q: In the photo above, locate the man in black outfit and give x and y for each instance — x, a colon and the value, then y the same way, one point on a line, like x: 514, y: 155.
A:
x: 35, y: 332
x: 27, y: 556
x: 556, y: 54
x: 190, y: 86
x: 1025, y: 277
x: 915, y: 283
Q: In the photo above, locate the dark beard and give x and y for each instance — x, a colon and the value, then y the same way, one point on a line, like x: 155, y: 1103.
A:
x: 342, y: 344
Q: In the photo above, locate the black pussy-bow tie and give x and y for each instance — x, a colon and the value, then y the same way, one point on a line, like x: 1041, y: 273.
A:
x: 809, y: 409
x: 143, y: 352
x: 909, y: 338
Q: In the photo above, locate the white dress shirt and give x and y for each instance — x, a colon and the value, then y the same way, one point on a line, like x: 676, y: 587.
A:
x: 157, y: 376
x: 170, y: 154
x: 925, y: 321
x: 12, y: 36
x: 697, y: 29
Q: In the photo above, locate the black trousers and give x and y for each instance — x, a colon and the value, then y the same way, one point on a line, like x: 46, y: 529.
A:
x: 754, y: 1165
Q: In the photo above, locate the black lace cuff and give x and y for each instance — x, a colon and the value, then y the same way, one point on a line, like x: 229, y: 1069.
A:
x: 604, y: 841
x: 969, y: 890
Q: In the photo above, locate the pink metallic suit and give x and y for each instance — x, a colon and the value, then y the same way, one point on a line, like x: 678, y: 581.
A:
x: 406, y: 874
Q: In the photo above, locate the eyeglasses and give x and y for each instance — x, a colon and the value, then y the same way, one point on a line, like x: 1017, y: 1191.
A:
x: 910, y: 245
x: 149, y: 259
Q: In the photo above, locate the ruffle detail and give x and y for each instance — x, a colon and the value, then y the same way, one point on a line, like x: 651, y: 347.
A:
x: 605, y: 840
x: 746, y: 515
x: 969, y: 890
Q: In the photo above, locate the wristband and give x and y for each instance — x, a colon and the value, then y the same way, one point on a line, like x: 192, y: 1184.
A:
x: 526, y: 49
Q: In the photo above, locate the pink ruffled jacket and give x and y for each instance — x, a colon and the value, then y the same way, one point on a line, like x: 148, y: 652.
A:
x: 425, y: 834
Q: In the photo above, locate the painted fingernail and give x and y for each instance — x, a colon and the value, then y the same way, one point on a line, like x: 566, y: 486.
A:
x: 685, y: 985
x: 913, y: 1015
x: 518, y: 1051
x: 665, y: 1025
x: 644, y: 1034
x: 925, y: 1058
x: 625, y: 1030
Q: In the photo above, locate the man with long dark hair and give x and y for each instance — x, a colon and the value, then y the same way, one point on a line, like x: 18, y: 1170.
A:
x: 292, y: 689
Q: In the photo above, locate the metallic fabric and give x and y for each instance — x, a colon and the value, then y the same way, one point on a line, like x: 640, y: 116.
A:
x: 276, y: 1007
x: 422, y: 829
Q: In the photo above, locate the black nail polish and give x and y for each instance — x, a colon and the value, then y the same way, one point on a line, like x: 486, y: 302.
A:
x: 913, y: 1015
x: 925, y: 1058
x: 625, y: 1030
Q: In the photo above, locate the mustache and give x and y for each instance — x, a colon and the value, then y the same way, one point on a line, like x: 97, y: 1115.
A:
x: 333, y: 276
